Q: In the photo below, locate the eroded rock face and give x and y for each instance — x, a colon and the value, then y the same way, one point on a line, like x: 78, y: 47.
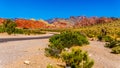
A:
x: 23, y: 23
x: 73, y: 21
x: 79, y: 21
x: 84, y: 21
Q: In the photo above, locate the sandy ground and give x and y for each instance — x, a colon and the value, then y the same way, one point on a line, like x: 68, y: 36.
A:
x: 33, y: 53
x: 102, y: 56
x: 14, y: 53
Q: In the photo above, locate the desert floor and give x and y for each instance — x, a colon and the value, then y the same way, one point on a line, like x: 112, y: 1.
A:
x: 14, y: 50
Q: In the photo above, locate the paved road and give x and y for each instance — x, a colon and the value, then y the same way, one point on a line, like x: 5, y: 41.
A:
x: 15, y: 48
x: 25, y: 38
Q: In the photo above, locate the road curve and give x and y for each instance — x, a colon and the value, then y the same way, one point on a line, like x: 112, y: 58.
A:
x: 15, y: 48
x: 25, y: 38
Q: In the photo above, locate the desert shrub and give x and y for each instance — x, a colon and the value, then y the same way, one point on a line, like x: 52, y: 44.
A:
x: 52, y: 51
x: 1, y: 29
x: 112, y: 44
x: 116, y: 50
x: 19, y: 31
x: 107, y: 38
x: 115, y: 45
x: 65, y: 40
x: 49, y: 66
x: 37, y: 32
x: 118, y: 34
x: 9, y: 26
x: 77, y: 58
x: 104, y: 38
x: 100, y: 37
x: 28, y: 31
x: 90, y: 35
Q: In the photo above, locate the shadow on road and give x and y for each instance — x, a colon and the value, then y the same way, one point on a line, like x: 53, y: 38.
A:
x: 2, y: 40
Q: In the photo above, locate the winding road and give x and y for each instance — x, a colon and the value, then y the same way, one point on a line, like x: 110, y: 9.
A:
x: 15, y: 48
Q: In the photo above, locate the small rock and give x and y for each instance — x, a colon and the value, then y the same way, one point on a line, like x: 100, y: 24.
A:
x: 27, y: 62
x: 90, y: 54
x: 66, y: 49
x: 67, y: 67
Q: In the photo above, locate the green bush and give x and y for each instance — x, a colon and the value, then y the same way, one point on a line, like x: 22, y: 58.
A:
x: 116, y: 50
x: 53, y: 30
x: 107, y: 39
x: 115, y: 45
x: 90, y: 35
x: 118, y: 34
x: 77, y: 58
x: 49, y: 66
x: 19, y: 31
x: 27, y: 31
x: 37, y: 32
x: 53, y: 52
x: 100, y: 37
x: 66, y: 39
x: 9, y: 26
x: 112, y: 44
x: 1, y: 29
x: 104, y: 38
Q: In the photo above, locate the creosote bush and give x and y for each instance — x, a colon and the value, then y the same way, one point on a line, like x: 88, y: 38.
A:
x: 49, y: 66
x: 104, y: 38
x: 116, y: 50
x: 76, y: 58
x: 9, y: 26
x: 66, y: 39
x: 114, y: 45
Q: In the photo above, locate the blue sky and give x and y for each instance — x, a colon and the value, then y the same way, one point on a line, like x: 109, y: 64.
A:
x: 46, y: 9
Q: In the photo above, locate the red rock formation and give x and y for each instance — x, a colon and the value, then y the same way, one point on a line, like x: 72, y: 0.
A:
x: 103, y: 20
x: 91, y: 21
x: 60, y: 22
x: 23, y: 23
x: 1, y: 20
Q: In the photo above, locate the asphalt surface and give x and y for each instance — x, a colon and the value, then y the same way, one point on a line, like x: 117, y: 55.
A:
x: 25, y: 38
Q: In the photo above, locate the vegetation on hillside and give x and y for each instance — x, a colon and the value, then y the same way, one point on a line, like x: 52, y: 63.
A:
x: 106, y: 29
x: 108, y: 32
x: 10, y: 27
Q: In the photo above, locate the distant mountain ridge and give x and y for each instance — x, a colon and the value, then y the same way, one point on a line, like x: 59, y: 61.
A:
x: 72, y: 22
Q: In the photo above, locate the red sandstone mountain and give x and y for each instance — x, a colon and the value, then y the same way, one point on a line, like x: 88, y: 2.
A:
x: 60, y: 23
x: 22, y: 23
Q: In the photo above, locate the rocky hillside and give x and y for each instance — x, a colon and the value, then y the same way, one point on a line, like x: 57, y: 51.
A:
x: 73, y: 22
